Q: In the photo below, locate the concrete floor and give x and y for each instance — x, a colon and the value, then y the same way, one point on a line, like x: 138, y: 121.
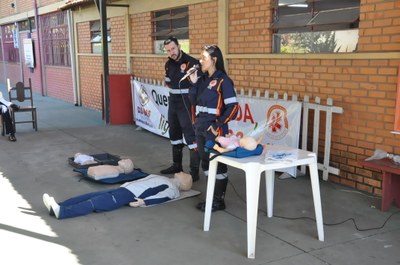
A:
x: 170, y: 233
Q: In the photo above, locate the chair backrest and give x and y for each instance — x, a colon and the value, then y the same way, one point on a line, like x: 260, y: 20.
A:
x: 20, y: 92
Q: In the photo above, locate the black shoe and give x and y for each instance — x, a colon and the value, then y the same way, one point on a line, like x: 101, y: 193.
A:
x: 14, y: 107
x: 175, y: 168
x: 12, y: 138
x: 195, y: 175
x: 217, y: 205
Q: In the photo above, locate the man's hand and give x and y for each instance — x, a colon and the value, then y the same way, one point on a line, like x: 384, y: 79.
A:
x: 139, y: 202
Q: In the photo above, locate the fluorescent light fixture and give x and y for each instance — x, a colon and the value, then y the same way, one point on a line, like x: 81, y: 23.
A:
x: 298, y: 5
x: 293, y: 5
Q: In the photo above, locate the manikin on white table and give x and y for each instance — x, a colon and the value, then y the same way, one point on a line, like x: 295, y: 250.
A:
x: 253, y: 167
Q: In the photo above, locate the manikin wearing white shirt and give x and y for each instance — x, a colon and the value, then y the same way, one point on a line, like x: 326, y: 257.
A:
x: 150, y: 190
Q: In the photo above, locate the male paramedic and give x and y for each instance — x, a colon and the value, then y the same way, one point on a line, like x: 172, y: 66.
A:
x: 180, y: 116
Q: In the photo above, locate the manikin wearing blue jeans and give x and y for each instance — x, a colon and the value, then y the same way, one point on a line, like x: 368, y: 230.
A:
x: 150, y: 190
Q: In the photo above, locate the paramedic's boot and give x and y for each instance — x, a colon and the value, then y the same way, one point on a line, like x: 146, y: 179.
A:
x: 12, y: 137
x: 194, y: 164
x: 176, y: 166
x: 219, y: 195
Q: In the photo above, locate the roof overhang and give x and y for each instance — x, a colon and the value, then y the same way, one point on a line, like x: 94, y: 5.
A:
x: 70, y: 4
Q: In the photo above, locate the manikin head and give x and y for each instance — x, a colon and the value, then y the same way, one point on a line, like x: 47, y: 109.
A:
x: 125, y: 166
x: 248, y: 143
x: 185, y: 180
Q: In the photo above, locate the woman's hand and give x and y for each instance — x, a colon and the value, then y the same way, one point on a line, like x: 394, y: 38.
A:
x: 212, y: 130
x: 193, y: 77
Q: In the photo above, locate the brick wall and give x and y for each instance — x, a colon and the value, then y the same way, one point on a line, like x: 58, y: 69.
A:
x: 91, y: 66
x: 203, y: 26
x: 6, y: 9
x: 149, y: 67
x: 379, y: 26
x: 248, y: 26
x: 83, y: 31
x: 59, y: 83
x: 117, y: 65
x: 118, y: 35
x: 141, y: 41
x: 90, y: 81
x: 13, y: 71
x: 23, y: 5
x: 90, y: 69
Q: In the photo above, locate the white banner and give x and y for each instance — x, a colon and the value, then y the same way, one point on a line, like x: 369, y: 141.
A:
x: 151, y: 107
x: 277, y: 121
x: 29, y: 53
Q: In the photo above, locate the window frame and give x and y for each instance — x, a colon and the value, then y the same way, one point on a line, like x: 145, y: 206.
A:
x: 95, y: 31
x: 55, y: 39
x: 170, y: 22
x: 296, y: 22
x: 11, y: 52
x: 27, y: 25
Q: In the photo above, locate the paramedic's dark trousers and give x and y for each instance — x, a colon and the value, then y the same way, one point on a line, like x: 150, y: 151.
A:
x: 99, y: 201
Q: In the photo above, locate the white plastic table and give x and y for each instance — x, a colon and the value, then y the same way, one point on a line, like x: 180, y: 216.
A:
x: 253, y: 167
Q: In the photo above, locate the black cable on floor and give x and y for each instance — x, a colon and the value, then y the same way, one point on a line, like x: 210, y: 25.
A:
x: 327, y: 224
x: 350, y: 219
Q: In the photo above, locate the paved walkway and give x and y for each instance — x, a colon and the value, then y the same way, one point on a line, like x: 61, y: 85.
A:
x: 170, y: 233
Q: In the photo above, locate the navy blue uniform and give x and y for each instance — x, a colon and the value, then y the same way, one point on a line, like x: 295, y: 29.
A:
x: 179, y: 110
x: 215, y: 104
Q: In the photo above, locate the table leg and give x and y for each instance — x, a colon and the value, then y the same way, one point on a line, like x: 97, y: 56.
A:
x: 212, y: 171
x: 269, y: 187
x: 390, y: 186
x: 252, y: 193
x: 317, y: 199
x: 396, y: 189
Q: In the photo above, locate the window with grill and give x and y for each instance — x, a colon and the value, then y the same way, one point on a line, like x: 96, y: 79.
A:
x: 95, y: 36
x: 171, y: 22
x: 56, y: 49
x: 315, y: 26
x: 10, y: 43
x: 27, y: 25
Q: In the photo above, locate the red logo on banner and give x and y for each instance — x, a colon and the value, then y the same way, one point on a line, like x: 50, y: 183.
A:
x: 277, y: 122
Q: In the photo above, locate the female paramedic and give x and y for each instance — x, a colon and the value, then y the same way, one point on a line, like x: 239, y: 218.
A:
x: 214, y: 97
